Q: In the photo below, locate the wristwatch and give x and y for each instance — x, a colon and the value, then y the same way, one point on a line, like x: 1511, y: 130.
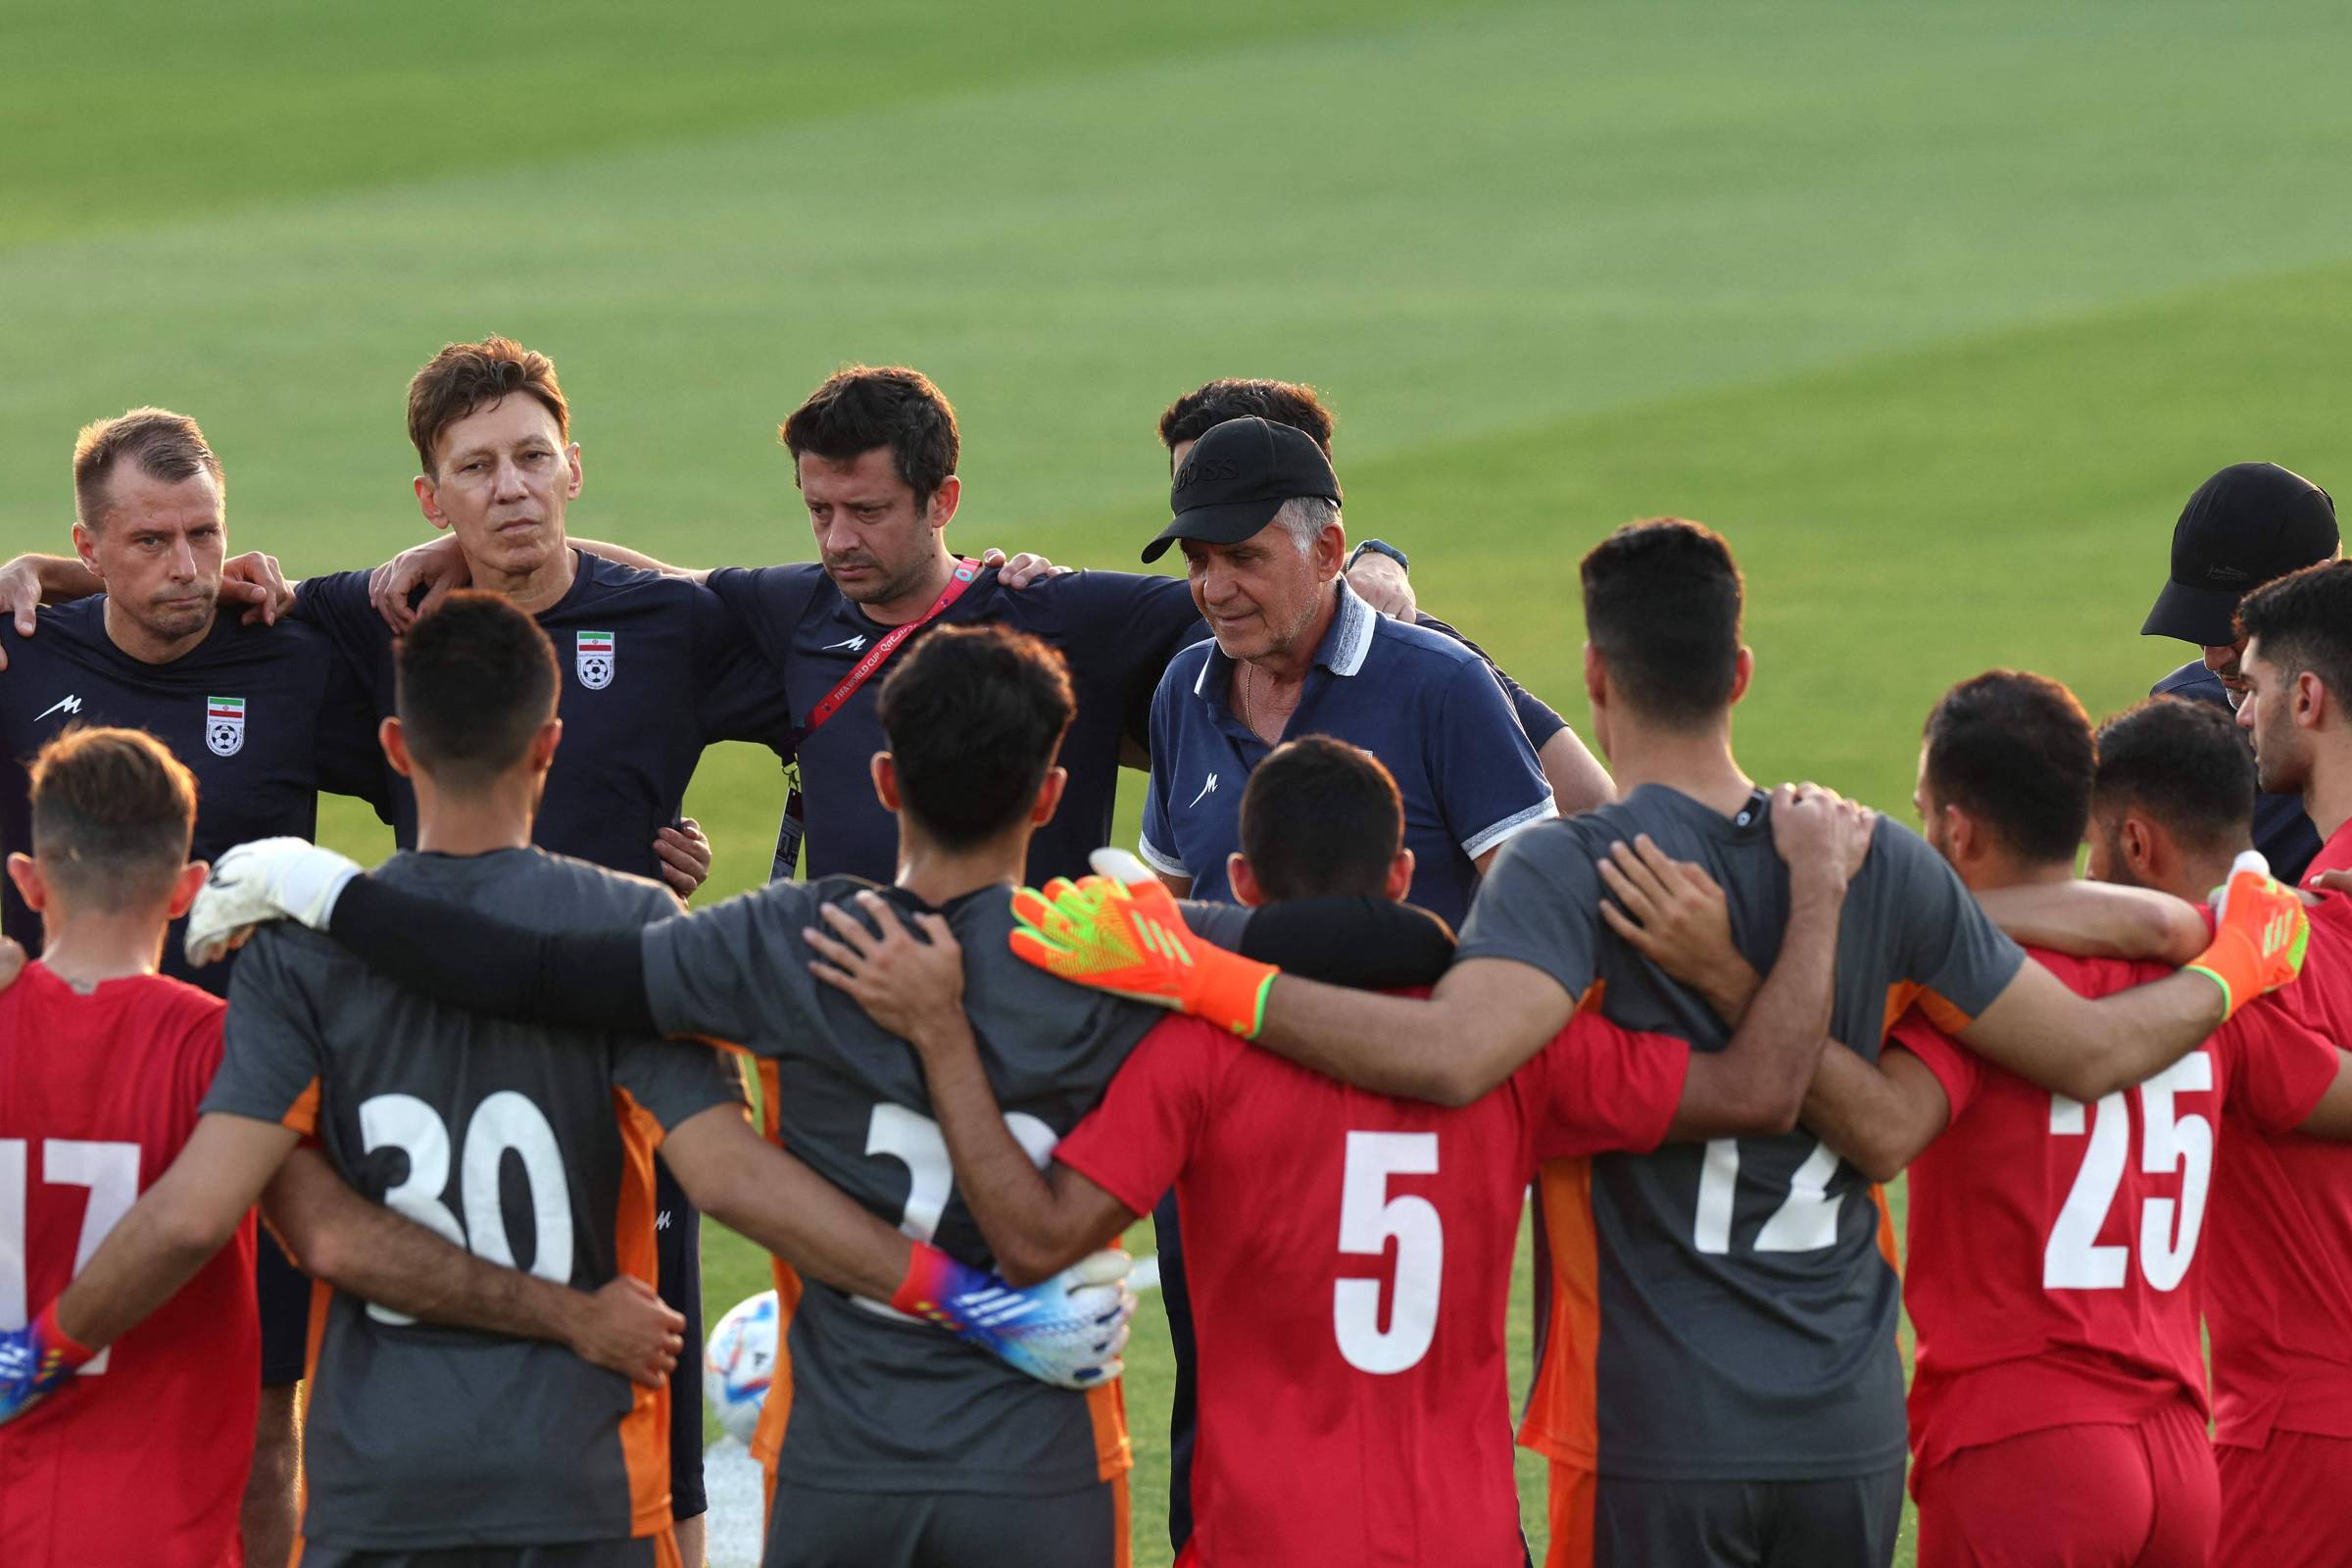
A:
x: 1381, y: 547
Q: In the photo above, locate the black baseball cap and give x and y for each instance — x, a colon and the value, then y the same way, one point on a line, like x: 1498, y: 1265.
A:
x: 1237, y: 476
x: 2248, y: 524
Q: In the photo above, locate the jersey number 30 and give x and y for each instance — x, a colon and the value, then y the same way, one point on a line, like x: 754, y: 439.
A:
x: 504, y: 1122
x: 111, y: 1171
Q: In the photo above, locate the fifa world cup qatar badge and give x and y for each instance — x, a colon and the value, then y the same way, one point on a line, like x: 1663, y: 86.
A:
x: 592, y: 658
x: 224, y: 725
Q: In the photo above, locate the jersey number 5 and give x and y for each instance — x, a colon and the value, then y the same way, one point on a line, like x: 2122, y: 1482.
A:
x: 1368, y: 1220
x: 503, y: 1123
x: 2074, y: 1260
x: 111, y: 1171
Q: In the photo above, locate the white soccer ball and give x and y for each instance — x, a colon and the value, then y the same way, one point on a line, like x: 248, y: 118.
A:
x: 738, y: 1363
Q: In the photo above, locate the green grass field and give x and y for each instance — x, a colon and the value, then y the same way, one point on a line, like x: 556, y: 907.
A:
x: 1940, y: 313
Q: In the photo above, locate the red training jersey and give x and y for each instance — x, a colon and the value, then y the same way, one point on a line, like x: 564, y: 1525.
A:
x: 2055, y: 1272
x: 142, y: 1458
x: 1350, y: 1257
x: 2279, y: 1293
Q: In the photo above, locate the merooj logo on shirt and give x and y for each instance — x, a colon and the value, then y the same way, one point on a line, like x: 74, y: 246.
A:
x: 224, y: 725
x: 592, y: 658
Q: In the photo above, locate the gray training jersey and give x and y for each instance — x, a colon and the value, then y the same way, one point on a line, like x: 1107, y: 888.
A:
x: 878, y: 1402
x: 1725, y: 1312
x: 534, y: 1147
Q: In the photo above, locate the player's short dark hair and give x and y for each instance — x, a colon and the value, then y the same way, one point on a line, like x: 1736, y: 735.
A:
x: 113, y: 812
x: 2304, y: 620
x: 1663, y: 603
x: 1231, y: 397
x: 2186, y: 765
x: 2014, y: 750
x: 861, y: 406
x: 1321, y: 818
x: 473, y: 681
x: 975, y: 715
x: 158, y: 443
x: 467, y: 377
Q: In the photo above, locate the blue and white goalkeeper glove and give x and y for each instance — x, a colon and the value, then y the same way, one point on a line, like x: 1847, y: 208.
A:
x: 1067, y: 1331
x: 33, y: 1360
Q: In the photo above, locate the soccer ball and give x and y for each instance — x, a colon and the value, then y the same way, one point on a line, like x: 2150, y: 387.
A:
x: 737, y: 1364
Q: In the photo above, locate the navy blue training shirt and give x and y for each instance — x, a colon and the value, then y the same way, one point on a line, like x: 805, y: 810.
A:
x: 652, y: 670
x: 1119, y: 631
x: 1429, y: 707
x: 2283, y: 832
x: 265, y: 717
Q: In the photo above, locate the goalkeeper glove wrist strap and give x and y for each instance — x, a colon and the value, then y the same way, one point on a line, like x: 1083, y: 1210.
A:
x: 58, y: 1355
x: 933, y: 1282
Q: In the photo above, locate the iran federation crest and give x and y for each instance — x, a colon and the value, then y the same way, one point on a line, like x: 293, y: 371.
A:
x: 224, y: 725
x: 592, y: 658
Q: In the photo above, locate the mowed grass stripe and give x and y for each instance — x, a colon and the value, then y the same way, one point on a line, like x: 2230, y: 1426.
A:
x: 1484, y: 225
x: 118, y: 114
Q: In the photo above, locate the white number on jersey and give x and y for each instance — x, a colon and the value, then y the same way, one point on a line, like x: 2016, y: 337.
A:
x: 1805, y: 1222
x: 505, y: 1121
x: 2072, y: 1259
x: 1368, y: 1218
x: 916, y: 1141
x: 111, y: 1172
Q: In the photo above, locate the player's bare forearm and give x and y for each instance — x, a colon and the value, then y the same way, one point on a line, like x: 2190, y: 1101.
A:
x: 2046, y: 1034
x: 1877, y: 1117
x: 1483, y: 1021
x: 1036, y: 1226
x: 1757, y: 1082
x: 751, y: 1186
x: 626, y: 557
x: 377, y: 1254
x: 174, y: 1228
x: 1579, y: 782
x: 63, y: 578
x: 2099, y: 920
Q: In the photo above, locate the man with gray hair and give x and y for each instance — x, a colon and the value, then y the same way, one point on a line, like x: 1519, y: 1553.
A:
x: 1294, y: 652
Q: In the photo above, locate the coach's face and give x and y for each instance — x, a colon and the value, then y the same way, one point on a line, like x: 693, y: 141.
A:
x: 2282, y: 746
x: 2226, y: 662
x: 158, y: 547
x: 1260, y: 596
x: 879, y: 546
x: 502, y: 477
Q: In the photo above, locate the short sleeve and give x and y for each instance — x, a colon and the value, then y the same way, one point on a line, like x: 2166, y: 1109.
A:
x: 2278, y: 1068
x: 339, y: 605
x: 1220, y: 926
x: 1539, y: 905
x: 675, y: 1080
x: 1943, y: 941
x: 1960, y: 1070
x: 1158, y: 845
x: 1534, y: 714
x: 1488, y: 781
x: 274, y: 1052
x: 1134, y: 1145
x: 737, y: 972
x: 739, y: 683
x: 350, y: 760
x: 1597, y: 1087
x: 1139, y: 619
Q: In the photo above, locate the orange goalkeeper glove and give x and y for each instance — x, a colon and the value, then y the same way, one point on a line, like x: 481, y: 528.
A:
x: 2260, y: 933
x: 1120, y: 932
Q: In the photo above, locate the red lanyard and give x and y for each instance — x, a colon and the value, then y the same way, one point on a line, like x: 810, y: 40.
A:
x: 965, y: 571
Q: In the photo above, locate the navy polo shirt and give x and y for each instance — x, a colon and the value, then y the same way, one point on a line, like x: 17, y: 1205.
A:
x: 652, y: 668
x: 1117, y: 630
x: 265, y: 717
x: 2281, y: 831
x: 1428, y: 707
